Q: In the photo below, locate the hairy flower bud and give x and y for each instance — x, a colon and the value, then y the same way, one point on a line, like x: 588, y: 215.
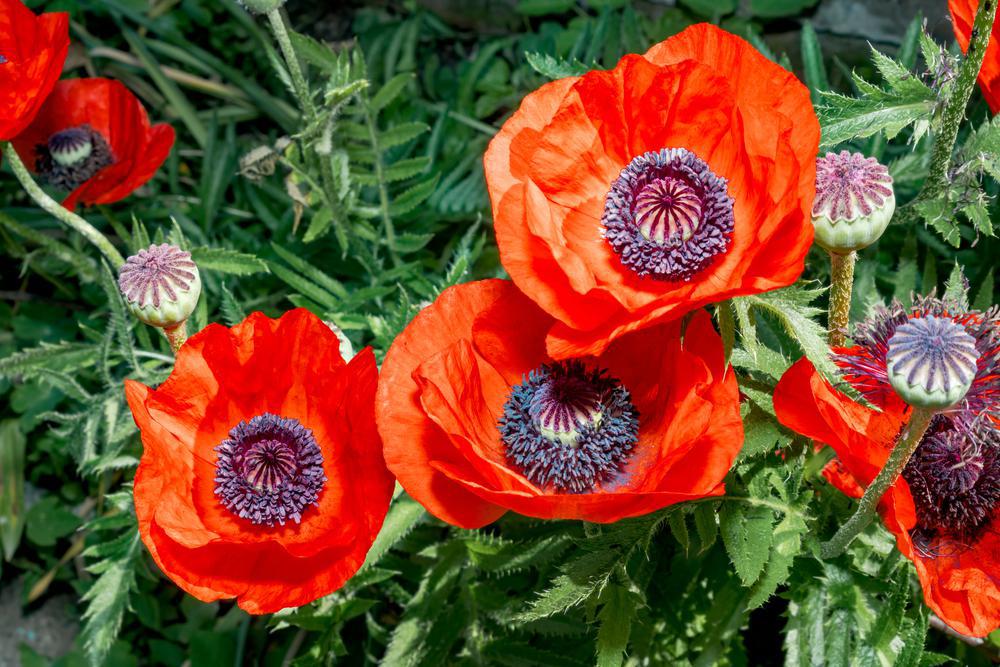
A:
x: 931, y: 362
x: 261, y: 6
x: 161, y: 285
x: 854, y: 201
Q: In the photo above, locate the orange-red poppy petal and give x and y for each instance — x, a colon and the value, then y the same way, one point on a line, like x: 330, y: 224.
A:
x: 35, y: 49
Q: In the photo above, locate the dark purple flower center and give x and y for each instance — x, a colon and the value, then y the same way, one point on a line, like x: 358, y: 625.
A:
x: 157, y: 272
x: 72, y: 156
x: 569, y: 428
x: 269, y: 470
x: 954, y: 477
x: 668, y: 216
x: 3, y: 60
x: 849, y: 185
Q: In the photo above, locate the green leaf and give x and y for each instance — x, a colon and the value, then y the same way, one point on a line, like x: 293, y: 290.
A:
x: 706, y: 524
x: 727, y: 328
x: 710, y: 9
x: 746, y: 532
x: 542, y: 7
x: 791, y: 308
x: 761, y: 434
x: 984, y: 297
x: 107, y: 599
x: 390, y: 91
x: 47, y: 521
x: 812, y: 60
x: 678, y: 527
x: 400, y: 134
x: 58, y: 357
x: 554, y: 68
x: 581, y: 577
x: 615, y: 625
x: 314, y: 52
x: 403, y: 517
x: 12, y: 443
x: 786, y: 544
x: 957, y: 287
x: 776, y: 8
x: 224, y: 260
x: 311, y: 272
x: 414, y: 196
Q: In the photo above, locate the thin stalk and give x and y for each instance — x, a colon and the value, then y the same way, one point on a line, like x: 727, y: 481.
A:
x: 280, y: 30
x: 954, y: 111
x: 176, y: 335
x: 54, y: 208
x: 383, y: 192
x: 920, y: 419
x: 841, y: 287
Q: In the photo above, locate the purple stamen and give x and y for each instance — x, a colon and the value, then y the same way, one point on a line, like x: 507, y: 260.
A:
x: 269, y: 470
x: 667, y: 215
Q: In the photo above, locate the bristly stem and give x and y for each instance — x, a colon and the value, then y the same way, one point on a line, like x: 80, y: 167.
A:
x: 841, y: 287
x: 954, y: 111
x: 176, y: 335
x: 280, y: 30
x: 920, y: 419
x: 54, y: 208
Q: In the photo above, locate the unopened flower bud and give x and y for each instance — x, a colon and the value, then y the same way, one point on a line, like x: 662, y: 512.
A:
x: 161, y: 285
x: 260, y: 6
x: 931, y: 362
x: 854, y: 201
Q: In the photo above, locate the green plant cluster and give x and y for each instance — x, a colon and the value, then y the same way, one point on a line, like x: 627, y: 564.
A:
x: 361, y: 197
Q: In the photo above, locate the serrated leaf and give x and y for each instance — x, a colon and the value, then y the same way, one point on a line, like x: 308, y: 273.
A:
x: 12, y: 445
x: 785, y: 546
x: 224, y: 260
x: 706, y: 524
x: 984, y: 297
x: 614, y: 626
x: 677, y: 521
x: 107, y: 599
x: 400, y: 134
x: 790, y: 307
x: 63, y: 356
x: 314, y: 52
x: 404, y: 515
x: 390, y: 91
x: 956, y: 289
x: 413, y: 196
x: 554, y: 68
x: 746, y: 532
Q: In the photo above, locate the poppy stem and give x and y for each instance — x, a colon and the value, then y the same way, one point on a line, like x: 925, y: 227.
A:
x: 54, y: 208
x: 176, y: 335
x: 920, y: 419
x: 937, y: 181
x: 280, y: 30
x: 841, y: 286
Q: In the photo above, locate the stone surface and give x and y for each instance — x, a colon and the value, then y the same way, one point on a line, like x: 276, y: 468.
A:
x: 49, y: 628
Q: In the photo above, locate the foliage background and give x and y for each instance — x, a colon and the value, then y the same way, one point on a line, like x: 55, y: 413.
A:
x: 417, y: 96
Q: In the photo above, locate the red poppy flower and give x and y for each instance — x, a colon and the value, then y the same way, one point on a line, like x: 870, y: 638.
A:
x: 262, y: 475
x: 32, y: 52
x: 92, y: 138
x: 628, y: 197
x: 960, y: 575
x: 476, y: 419
x: 963, y: 14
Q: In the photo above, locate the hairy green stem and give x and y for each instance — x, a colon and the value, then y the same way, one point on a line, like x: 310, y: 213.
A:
x: 383, y: 192
x: 176, y: 335
x: 841, y: 287
x: 920, y: 419
x: 954, y: 111
x: 54, y: 208
x: 280, y: 30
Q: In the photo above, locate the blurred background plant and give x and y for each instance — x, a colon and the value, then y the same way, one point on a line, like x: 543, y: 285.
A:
x: 366, y: 210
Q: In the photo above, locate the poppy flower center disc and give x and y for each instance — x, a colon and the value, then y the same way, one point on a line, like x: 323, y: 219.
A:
x: 668, y: 216
x: 269, y: 470
x: 954, y: 477
x: 72, y: 156
x: 569, y: 428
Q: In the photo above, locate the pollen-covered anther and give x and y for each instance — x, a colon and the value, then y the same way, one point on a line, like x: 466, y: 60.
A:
x: 569, y: 428
x: 161, y: 285
x: 854, y: 201
x: 72, y: 156
x: 668, y: 216
x: 269, y: 470
x: 931, y: 362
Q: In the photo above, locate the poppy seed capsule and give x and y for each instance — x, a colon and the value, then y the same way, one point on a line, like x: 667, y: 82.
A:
x: 261, y: 6
x: 854, y: 201
x: 161, y: 285
x: 931, y: 362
